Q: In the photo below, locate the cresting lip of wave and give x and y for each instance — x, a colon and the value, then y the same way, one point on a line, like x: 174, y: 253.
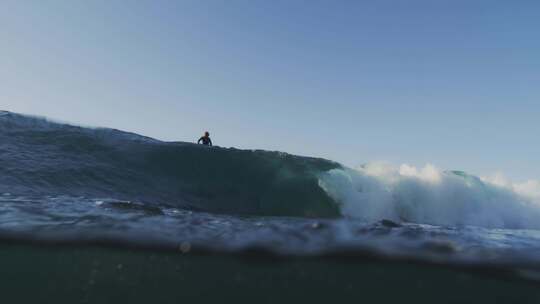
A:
x: 430, y: 196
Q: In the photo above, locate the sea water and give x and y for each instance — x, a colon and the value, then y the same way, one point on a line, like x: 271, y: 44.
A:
x: 84, y: 209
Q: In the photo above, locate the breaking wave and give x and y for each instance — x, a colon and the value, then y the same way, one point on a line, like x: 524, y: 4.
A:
x: 42, y: 158
x: 431, y: 196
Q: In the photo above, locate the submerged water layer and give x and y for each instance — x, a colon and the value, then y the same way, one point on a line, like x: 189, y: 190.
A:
x: 73, y: 221
x: 33, y: 274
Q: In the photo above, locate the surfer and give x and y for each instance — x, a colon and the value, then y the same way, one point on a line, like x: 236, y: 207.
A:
x: 205, y: 139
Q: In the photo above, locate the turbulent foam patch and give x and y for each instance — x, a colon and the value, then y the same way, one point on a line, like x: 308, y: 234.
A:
x: 429, y: 195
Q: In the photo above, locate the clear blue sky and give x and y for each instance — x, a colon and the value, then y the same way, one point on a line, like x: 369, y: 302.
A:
x: 454, y: 83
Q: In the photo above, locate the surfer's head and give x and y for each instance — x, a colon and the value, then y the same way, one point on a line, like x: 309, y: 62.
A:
x: 206, y: 134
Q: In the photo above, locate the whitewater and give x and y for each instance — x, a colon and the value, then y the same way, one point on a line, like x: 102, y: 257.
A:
x: 66, y: 184
x: 431, y: 196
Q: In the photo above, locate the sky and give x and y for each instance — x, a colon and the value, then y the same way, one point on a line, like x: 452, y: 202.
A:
x: 450, y: 83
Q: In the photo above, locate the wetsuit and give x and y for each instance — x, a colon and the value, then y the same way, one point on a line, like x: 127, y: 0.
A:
x: 205, y: 140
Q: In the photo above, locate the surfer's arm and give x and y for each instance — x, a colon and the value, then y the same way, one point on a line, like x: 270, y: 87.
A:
x: 209, y: 142
x: 199, y: 141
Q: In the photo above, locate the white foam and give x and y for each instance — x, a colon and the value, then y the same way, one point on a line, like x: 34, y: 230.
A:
x: 431, y: 196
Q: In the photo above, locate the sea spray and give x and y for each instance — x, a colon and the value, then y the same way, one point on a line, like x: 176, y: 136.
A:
x: 431, y: 196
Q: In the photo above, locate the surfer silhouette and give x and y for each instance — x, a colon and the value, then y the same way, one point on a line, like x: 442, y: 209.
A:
x: 205, y: 139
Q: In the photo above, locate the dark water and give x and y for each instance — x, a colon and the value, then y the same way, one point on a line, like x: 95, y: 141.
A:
x: 98, y: 275
x: 101, y: 216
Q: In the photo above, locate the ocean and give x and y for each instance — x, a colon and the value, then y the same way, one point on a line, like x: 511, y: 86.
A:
x: 97, y: 215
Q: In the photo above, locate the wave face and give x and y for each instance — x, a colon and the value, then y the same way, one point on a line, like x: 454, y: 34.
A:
x: 41, y: 158
x: 430, y: 196
x: 44, y: 158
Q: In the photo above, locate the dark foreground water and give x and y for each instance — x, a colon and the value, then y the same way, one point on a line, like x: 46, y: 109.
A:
x: 44, y: 274
x: 72, y: 250
x: 104, y: 216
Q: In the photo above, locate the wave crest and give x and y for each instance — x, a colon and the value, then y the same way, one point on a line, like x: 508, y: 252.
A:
x: 430, y: 196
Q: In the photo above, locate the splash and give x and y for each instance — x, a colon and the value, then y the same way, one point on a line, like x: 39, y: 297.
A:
x: 430, y: 196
